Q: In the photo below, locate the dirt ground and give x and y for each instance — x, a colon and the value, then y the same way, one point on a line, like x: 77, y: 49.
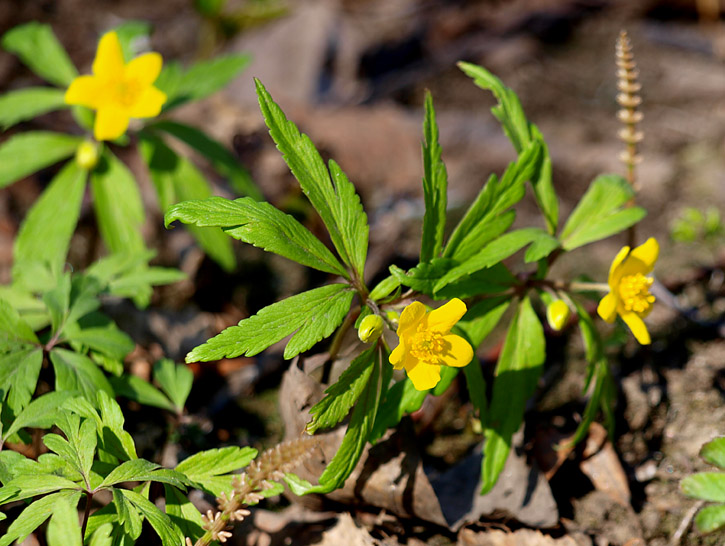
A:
x: 352, y: 75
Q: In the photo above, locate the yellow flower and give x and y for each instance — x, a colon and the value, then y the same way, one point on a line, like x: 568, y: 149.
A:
x: 426, y: 343
x: 629, y: 295
x: 116, y: 90
x: 557, y: 313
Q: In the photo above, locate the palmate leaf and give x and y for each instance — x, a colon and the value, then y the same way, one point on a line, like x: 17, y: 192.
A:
x: 310, y: 316
x: 46, y: 232
x: 259, y: 224
x: 435, y: 187
x: 35, y: 514
x: 222, y: 159
x: 176, y: 179
x: 520, y: 132
x: 24, y: 104
x: 174, y: 380
x: 37, y: 47
x: 599, y: 214
x: 341, y: 396
x: 517, y: 373
x: 19, y: 155
x: 331, y: 193
x: 76, y: 372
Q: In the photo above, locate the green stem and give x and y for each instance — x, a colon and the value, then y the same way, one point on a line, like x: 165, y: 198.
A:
x: 86, y: 513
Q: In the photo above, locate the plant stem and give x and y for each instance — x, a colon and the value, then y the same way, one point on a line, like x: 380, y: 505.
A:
x: 588, y: 286
x: 87, y: 513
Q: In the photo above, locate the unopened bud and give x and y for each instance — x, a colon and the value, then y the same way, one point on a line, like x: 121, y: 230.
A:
x: 557, y: 313
x: 87, y: 155
x: 370, y: 328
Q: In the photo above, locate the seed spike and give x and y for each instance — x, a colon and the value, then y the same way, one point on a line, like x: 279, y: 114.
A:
x: 629, y: 100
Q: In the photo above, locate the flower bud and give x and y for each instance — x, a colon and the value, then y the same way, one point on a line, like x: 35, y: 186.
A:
x: 87, y: 155
x: 370, y: 328
x: 557, y: 313
x: 393, y: 318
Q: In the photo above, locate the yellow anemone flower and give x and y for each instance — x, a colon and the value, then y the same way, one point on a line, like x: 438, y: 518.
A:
x: 629, y: 295
x: 426, y: 342
x: 116, y: 90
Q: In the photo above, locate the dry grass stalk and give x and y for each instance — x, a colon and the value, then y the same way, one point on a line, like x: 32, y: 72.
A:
x: 629, y: 99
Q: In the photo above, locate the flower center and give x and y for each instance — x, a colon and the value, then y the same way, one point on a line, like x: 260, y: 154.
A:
x: 634, y: 292
x: 127, y: 92
x: 427, y: 346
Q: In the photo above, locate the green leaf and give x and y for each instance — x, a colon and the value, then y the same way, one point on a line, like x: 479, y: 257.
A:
x: 33, y: 485
x: 140, y: 281
x: 46, y: 232
x: 143, y: 392
x: 141, y: 470
x: 520, y: 132
x: 709, y: 486
x: 34, y: 313
x: 476, y: 385
x: 259, y: 224
x: 714, y: 452
x: 341, y: 396
x: 40, y: 413
x: 338, y: 205
x: 130, y: 33
x: 544, y: 245
x: 19, y: 155
x: 211, y: 470
x: 710, y: 518
x: 63, y: 529
x: 311, y: 316
x: 517, y: 374
x: 435, y: 187
x: 115, y: 440
x: 76, y: 372
x: 35, y: 514
x: 207, y: 77
x: 176, y: 179
x: 482, y: 318
x: 12, y: 327
x: 491, y: 254
x: 19, y: 372
x: 102, y: 534
x: 24, y: 104
x: 599, y: 214
x: 108, y: 340
x: 167, y: 531
x: 37, y: 47
x: 222, y: 159
x: 118, y: 205
x: 384, y: 288
x: 127, y: 514
x: 174, y: 380
x: 183, y: 513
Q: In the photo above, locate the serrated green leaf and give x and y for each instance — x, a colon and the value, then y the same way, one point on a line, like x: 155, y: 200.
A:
x: 76, y: 372
x: 33, y: 485
x: 176, y: 179
x: 170, y: 534
x: 183, y: 513
x: 338, y: 205
x: 210, y: 470
x: 143, y: 392
x: 517, y: 374
x: 32, y: 309
x: 34, y: 515
x: 39, y: 49
x: 544, y: 185
x: 400, y: 399
x: 544, y: 245
x: 205, y: 78
x: 24, y: 104
x: 19, y: 155
x: 140, y: 281
x: 341, y: 396
x: 127, y: 514
x: 435, y: 187
x: 115, y: 440
x: 710, y: 518
x: 175, y: 380
x: 599, y: 214
x: 19, y: 372
x: 141, y: 470
x: 714, y: 452
x: 12, y: 327
x: 39, y: 413
x: 311, y: 316
x: 118, y: 205
x: 491, y: 254
x: 709, y: 486
x: 482, y: 318
x: 108, y: 340
x: 101, y: 535
x: 46, y: 232
x: 259, y: 224
x: 222, y: 159
x: 63, y: 529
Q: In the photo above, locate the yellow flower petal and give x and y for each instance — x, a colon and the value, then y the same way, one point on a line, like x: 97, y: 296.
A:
x: 145, y: 68
x: 149, y: 104
x: 618, y: 259
x: 446, y: 316
x: 424, y: 376
x: 84, y: 90
x: 647, y: 253
x: 109, y: 57
x: 458, y: 352
x: 111, y: 123
x: 607, y: 307
x: 409, y: 318
x: 397, y: 357
x: 638, y: 327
